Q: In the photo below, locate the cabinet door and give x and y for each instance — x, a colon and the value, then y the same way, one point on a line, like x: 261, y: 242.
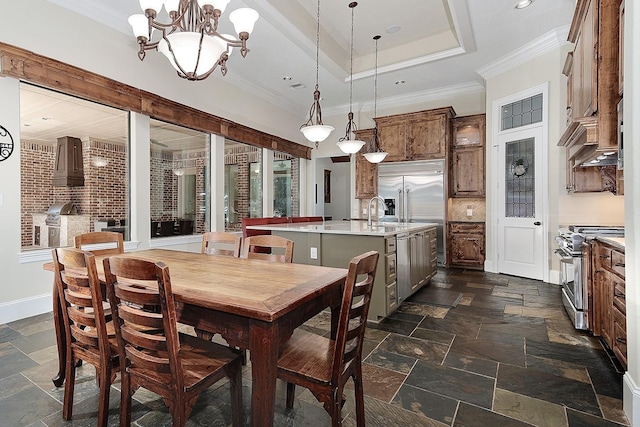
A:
x: 366, y: 173
x: 466, y: 244
x: 393, y: 139
x: 467, y: 167
x: 586, y: 49
x: 428, y: 137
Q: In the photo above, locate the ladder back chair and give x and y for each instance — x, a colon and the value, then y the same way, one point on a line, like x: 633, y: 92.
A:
x: 283, y: 253
x: 154, y: 354
x: 89, y: 337
x: 101, y: 237
x: 221, y: 243
x: 324, y: 365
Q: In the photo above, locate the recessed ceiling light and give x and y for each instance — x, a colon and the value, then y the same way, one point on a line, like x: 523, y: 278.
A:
x: 601, y: 157
x: 524, y: 3
x: 393, y: 29
x: 595, y: 161
x: 400, y: 82
x: 609, y: 153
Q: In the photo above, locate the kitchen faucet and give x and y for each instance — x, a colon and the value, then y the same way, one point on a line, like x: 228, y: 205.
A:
x: 369, y: 210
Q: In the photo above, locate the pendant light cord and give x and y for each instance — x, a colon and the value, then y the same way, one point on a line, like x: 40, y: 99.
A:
x: 318, y: 46
x: 351, y: 60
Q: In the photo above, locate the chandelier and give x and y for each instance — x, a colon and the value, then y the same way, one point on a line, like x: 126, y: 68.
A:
x: 374, y: 153
x: 191, y: 41
x: 314, y: 130
x: 346, y: 143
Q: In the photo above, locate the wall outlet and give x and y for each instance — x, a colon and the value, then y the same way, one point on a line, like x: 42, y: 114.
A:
x: 469, y: 211
x: 364, y: 211
x: 314, y: 253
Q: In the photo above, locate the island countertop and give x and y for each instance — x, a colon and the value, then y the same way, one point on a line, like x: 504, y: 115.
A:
x: 383, y: 229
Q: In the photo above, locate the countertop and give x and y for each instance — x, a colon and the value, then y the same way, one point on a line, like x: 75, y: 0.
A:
x: 617, y: 242
x: 383, y: 229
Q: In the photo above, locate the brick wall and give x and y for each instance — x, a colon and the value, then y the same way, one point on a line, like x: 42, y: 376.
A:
x: 105, y: 190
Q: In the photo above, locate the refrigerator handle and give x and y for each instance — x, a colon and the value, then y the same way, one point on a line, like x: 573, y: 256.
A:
x: 400, y: 206
x: 406, y: 206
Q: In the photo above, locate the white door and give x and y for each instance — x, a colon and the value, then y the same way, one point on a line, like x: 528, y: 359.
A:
x: 520, y: 202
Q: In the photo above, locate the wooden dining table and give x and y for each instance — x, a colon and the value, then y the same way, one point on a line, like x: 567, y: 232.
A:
x: 253, y: 304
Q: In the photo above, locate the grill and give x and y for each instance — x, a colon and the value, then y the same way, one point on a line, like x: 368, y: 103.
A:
x: 54, y: 212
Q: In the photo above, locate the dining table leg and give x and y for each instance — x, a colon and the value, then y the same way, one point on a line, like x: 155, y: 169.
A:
x: 61, y: 338
x: 263, y: 348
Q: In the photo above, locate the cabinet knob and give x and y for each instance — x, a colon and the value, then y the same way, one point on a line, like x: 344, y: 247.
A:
x: 620, y: 264
x: 537, y: 223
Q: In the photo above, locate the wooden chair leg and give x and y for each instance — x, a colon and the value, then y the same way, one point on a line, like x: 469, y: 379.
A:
x: 103, y: 402
x: 69, y: 385
x: 291, y: 394
x: 359, y: 396
x: 125, y: 400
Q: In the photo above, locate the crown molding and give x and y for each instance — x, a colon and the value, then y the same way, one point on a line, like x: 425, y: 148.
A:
x: 543, y: 44
x: 414, y: 98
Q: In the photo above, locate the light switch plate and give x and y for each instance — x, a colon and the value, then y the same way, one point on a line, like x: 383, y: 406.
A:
x: 1, y: 199
x: 314, y: 253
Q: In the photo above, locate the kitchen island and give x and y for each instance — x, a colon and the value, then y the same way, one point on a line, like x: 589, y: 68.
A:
x: 408, y: 256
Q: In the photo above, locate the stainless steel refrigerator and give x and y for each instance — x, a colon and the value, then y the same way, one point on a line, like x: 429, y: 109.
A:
x: 414, y: 192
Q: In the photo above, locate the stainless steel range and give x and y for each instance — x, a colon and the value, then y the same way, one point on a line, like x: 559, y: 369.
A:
x: 574, y: 251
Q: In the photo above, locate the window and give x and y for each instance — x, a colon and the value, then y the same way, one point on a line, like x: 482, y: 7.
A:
x: 242, y: 183
x: 179, y: 183
x: 286, y: 188
x: 522, y: 113
x: 98, y: 193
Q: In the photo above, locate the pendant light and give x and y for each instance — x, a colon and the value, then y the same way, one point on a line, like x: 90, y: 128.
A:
x: 316, y: 131
x: 347, y: 144
x: 375, y: 154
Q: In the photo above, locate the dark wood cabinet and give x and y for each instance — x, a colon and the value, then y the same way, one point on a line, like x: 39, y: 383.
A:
x: 593, y: 91
x: 609, y: 299
x: 466, y: 244
x: 68, y: 167
x: 467, y: 178
x: 366, y: 173
x: 422, y: 135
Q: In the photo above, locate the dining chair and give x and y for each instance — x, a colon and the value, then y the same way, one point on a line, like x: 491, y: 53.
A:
x: 113, y: 238
x: 89, y: 337
x: 268, y: 241
x: 155, y: 356
x: 221, y: 243
x: 324, y: 365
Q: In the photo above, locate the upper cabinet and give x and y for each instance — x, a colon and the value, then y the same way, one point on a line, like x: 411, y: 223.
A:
x: 593, y: 93
x: 467, y: 178
x: 366, y: 173
x: 421, y: 135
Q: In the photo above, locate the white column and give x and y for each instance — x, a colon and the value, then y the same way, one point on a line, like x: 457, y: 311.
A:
x: 140, y: 184
x: 216, y: 184
x: 267, y: 182
x: 631, y: 388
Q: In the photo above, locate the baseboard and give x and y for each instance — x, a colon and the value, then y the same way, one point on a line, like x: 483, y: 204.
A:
x: 631, y: 399
x: 554, y: 277
x: 21, y: 309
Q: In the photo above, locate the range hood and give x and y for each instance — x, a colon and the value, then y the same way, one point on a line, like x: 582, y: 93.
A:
x: 68, y: 170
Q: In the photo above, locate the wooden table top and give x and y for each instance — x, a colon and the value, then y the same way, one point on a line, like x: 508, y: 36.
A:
x: 258, y: 289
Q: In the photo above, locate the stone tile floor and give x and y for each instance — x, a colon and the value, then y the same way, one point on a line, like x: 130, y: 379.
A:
x: 506, y: 355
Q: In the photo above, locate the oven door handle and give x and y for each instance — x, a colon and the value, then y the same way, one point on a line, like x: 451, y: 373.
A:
x: 564, y: 258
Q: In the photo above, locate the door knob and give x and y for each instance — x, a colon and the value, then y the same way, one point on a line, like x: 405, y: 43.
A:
x: 537, y: 223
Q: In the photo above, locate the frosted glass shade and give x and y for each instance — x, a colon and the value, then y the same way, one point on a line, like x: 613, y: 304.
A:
x: 243, y: 19
x: 140, y: 25
x: 375, y: 157
x: 151, y: 4
x: 316, y: 133
x: 350, y: 146
x: 185, y: 48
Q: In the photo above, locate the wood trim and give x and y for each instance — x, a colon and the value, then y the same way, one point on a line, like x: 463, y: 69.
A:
x: 30, y: 67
